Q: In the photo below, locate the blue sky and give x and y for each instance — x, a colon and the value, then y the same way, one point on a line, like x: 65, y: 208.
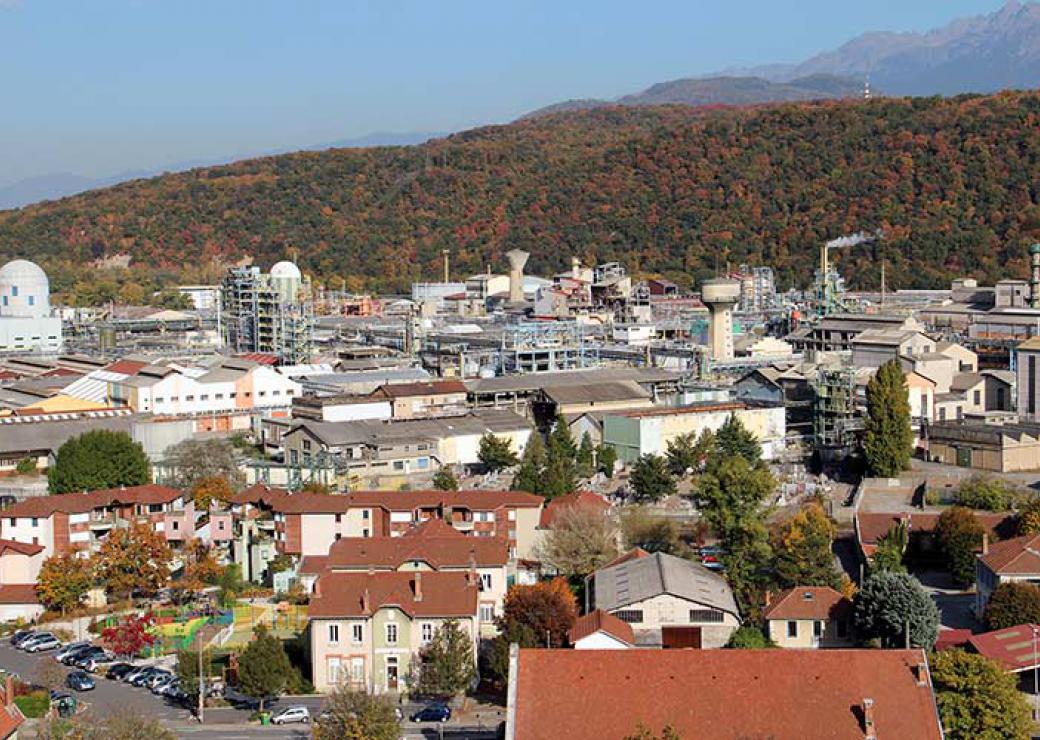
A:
x: 97, y: 87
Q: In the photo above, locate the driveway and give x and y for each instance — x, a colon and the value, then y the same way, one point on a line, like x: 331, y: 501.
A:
x: 956, y: 607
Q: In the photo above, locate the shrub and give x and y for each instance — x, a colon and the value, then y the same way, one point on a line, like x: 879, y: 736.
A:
x: 985, y: 492
x: 1011, y: 604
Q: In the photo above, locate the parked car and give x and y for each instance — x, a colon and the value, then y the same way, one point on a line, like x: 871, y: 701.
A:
x: 40, y: 642
x: 117, y: 671
x: 157, y: 683
x: 71, y: 647
x: 159, y: 674
x: 20, y: 636
x: 433, y: 713
x: 168, y: 688
x: 91, y: 660
x: 290, y: 715
x: 143, y: 677
x: 80, y: 681
x: 70, y: 658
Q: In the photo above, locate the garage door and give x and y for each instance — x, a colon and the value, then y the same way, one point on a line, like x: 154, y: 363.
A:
x: 681, y: 637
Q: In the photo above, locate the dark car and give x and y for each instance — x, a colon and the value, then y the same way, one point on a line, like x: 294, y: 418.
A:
x: 116, y: 671
x: 71, y: 657
x: 432, y: 713
x: 21, y: 636
x: 80, y: 681
x: 144, y: 676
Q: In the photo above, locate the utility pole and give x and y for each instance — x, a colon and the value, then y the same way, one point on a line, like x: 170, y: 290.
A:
x: 882, y: 284
x: 202, y: 680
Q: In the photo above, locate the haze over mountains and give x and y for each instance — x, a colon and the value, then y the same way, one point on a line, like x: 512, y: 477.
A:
x: 977, y: 54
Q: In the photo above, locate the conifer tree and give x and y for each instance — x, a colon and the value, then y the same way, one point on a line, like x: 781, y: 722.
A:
x: 888, y: 438
x: 529, y: 477
x: 263, y: 668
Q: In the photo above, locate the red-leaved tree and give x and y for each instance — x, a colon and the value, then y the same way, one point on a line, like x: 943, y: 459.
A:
x: 130, y: 636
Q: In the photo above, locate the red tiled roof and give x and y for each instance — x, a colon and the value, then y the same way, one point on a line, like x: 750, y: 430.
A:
x: 581, y: 499
x: 600, y: 621
x: 952, y: 639
x: 809, y: 602
x: 78, y: 503
x: 1015, y: 647
x: 313, y: 564
x: 444, y: 594
x: 872, y: 525
x: 634, y: 554
x: 23, y: 548
x: 711, y: 694
x: 476, y: 500
x: 432, y: 388
x: 426, y: 543
x: 11, y: 718
x: 259, y: 358
x: 18, y: 593
x: 1020, y: 555
x: 126, y: 367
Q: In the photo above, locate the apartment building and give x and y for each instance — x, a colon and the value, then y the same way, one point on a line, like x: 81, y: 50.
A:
x: 423, y: 400
x: 78, y: 522
x: 20, y: 565
x: 367, y: 629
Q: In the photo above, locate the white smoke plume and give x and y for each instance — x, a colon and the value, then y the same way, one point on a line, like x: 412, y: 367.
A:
x: 853, y: 239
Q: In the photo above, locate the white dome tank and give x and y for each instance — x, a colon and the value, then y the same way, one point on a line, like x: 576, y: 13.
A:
x: 287, y: 279
x: 25, y: 290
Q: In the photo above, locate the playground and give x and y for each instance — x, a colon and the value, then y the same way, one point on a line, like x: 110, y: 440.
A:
x: 283, y: 619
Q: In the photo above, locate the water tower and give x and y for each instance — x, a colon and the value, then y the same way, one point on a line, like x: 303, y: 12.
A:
x: 720, y: 295
x: 517, y: 259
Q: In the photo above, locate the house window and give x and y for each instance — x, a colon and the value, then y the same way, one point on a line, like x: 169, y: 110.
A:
x: 391, y: 634
x: 357, y: 633
x: 189, y: 398
x: 334, y: 668
x: 364, y: 514
x: 427, y: 632
x: 706, y: 615
x: 220, y: 525
x: 159, y: 399
x: 357, y: 670
x: 487, y: 612
x: 942, y: 414
x: 485, y: 581
x: 339, y: 518
x: 204, y: 397
x: 512, y: 515
x: 632, y: 616
x: 35, y: 522
x: 817, y: 629
x: 333, y: 633
x: 364, y: 533
x: 306, y: 444
x: 398, y: 465
x: 220, y: 396
x: 12, y: 520
x: 338, y: 536
x: 978, y: 397
x: 792, y: 629
x: 175, y: 524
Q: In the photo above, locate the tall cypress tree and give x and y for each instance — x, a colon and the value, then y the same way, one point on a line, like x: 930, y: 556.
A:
x: 530, y: 475
x: 888, y: 439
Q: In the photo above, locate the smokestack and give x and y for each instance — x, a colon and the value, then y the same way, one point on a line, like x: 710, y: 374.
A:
x: 869, y: 733
x: 447, y: 272
x: 1034, y: 276
x: 575, y: 268
x: 517, y: 259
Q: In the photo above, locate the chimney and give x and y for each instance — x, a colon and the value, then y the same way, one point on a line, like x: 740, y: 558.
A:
x: 769, y: 597
x: 869, y: 733
x: 921, y: 673
x: 985, y: 543
x: 366, y: 602
x: 8, y: 690
x: 418, y: 585
x: 316, y: 589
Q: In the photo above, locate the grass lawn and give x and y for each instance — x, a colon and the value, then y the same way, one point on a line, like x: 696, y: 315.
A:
x: 34, y: 705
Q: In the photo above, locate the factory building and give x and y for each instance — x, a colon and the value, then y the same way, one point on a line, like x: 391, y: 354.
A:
x: 26, y: 323
x: 269, y: 313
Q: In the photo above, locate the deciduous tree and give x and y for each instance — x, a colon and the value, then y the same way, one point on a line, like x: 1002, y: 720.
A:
x: 888, y: 603
x: 446, y: 666
x: 802, y: 549
x: 735, y: 439
x: 959, y: 534
x: 64, y: 581
x: 194, y: 460
x: 96, y: 460
x: 888, y: 438
x: 650, y: 532
x: 130, y: 636
x: 131, y: 559
x: 978, y: 698
x: 579, y: 540
x: 548, y: 609
x: 445, y: 480
x: 206, y: 491
x: 1012, y: 604
x: 355, y: 715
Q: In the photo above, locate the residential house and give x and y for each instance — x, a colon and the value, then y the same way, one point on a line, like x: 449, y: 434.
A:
x: 20, y: 565
x: 711, y: 694
x: 599, y: 630
x: 1015, y: 560
x: 669, y: 601
x: 1016, y: 649
x: 431, y: 546
x: 809, y: 617
x: 366, y: 629
x: 11, y: 717
x: 78, y: 522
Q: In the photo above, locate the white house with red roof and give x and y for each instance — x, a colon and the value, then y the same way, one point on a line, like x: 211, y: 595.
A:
x: 20, y: 565
x: 599, y: 630
x: 809, y: 617
x: 1014, y: 560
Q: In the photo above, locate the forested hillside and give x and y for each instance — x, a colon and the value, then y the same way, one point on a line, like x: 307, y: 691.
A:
x: 668, y: 190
